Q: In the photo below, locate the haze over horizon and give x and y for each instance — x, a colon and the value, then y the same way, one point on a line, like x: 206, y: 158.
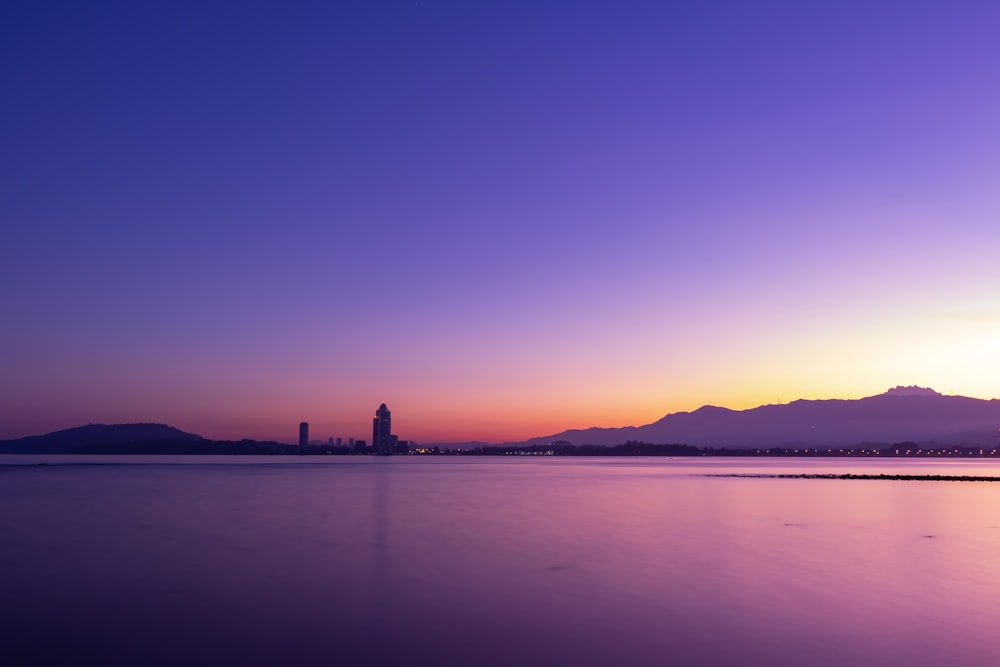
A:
x: 503, y: 221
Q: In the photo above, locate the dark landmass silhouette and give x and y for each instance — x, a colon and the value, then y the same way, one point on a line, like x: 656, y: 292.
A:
x: 79, y: 439
x: 133, y: 439
x: 902, y: 414
x: 909, y: 416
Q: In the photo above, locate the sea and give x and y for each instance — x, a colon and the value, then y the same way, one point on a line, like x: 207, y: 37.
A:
x: 496, y: 561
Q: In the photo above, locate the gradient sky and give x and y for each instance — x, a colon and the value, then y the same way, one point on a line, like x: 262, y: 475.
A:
x: 503, y: 219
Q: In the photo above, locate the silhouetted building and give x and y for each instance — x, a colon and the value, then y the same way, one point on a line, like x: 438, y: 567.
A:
x: 303, y: 434
x: 382, y: 431
x: 400, y: 446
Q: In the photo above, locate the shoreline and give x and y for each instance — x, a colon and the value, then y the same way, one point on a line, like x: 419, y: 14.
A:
x: 891, y: 477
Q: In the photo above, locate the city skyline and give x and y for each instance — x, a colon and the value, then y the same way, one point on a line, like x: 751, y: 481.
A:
x: 510, y: 221
x: 902, y: 415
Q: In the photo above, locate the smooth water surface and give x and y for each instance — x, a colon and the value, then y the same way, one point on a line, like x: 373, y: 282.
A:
x: 495, y: 561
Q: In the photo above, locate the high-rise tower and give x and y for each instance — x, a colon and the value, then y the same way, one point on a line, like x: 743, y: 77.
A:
x: 382, y: 431
x: 303, y: 434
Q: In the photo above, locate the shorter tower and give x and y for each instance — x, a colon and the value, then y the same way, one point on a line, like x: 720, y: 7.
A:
x: 303, y: 434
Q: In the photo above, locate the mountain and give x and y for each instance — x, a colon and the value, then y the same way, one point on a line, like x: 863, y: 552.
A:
x: 91, y: 437
x: 901, y: 414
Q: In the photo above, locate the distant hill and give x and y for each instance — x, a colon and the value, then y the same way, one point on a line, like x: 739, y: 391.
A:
x: 87, y: 439
x: 914, y: 414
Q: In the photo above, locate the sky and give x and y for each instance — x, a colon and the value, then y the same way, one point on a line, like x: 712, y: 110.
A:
x: 502, y: 219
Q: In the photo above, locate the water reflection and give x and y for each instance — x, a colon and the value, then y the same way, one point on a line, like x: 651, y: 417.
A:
x: 496, y: 562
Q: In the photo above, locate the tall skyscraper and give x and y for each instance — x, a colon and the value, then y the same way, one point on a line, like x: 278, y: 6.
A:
x: 382, y: 431
x: 303, y: 434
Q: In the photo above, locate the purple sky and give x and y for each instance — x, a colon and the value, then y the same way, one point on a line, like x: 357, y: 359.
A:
x: 502, y: 220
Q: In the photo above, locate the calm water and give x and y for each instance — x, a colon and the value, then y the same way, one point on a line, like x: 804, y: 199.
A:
x: 524, y: 561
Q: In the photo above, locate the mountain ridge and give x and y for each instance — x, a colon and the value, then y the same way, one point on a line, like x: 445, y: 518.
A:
x: 901, y: 414
x: 82, y: 438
